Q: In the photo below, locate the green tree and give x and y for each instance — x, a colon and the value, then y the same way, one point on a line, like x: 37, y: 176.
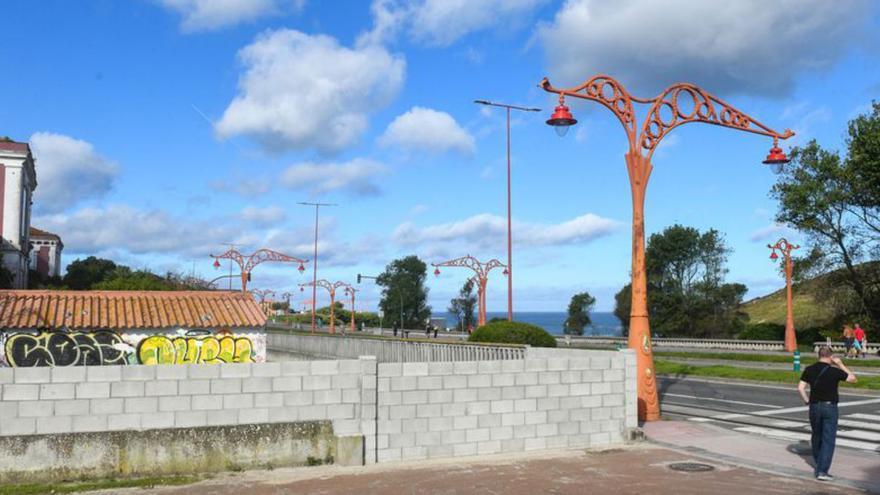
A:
x: 579, y: 313
x: 464, y: 305
x: 622, y: 306
x: 687, y: 295
x: 404, y: 294
x: 124, y: 278
x: 6, y: 277
x: 835, y: 201
x: 83, y: 274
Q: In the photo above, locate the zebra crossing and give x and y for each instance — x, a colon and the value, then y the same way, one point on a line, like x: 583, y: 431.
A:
x: 857, y: 430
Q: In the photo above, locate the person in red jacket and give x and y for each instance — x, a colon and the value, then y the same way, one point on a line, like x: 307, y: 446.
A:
x: 861, y: 339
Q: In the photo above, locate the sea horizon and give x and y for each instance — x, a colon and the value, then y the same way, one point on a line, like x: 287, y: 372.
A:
x: 603, y: 322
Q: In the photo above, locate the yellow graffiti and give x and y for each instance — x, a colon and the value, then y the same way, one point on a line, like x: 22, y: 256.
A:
x: 159, y: 349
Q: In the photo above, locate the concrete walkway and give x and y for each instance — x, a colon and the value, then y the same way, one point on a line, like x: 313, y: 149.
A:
x: 638, y: 469
x: 852, y: 468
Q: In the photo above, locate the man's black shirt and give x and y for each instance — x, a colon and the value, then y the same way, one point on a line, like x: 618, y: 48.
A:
x: 823, y: 385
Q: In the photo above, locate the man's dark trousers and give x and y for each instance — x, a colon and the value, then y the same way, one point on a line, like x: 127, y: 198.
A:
x: 823, y: 420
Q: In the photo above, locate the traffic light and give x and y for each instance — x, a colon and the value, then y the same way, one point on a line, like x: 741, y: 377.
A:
x: 359, y: 278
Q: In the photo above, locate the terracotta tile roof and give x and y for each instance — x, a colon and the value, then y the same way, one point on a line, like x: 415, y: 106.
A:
x: 35, y: 232
x: 10, y: 145
x: 127, y: 310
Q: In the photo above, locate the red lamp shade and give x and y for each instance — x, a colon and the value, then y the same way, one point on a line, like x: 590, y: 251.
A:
x: 562, y: 118
x: 216, y: 263
x: 776, y: 158
x: 774, y: 256
x: 506, y: 272
x: 436, y: 272
x: 301, y: 268
x: 301, y: 289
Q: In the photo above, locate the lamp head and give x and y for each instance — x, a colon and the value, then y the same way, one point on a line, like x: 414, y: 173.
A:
x: 562, y: 118
x: 776, y: 159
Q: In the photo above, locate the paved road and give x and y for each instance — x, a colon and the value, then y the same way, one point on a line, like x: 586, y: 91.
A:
x: 769, y: 410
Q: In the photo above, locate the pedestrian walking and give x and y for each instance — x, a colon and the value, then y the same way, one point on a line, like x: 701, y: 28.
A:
x: 861, y: 339
x: 823, y: 379
x: 848, y: 340
x: 394, y: 328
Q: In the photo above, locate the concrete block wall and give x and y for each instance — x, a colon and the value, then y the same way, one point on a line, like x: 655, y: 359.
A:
x: 35, y: 401
x: 449, y: 409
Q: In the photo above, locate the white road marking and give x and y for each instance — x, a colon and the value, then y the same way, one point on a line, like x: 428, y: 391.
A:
x: 720, y: 400
x: 872, y: 417
x: 787, y: 410
x: 790, y: 388
x: 790, y: 435
x: 858, y: 424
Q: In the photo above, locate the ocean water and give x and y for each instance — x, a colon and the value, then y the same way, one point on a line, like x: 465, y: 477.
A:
x: 604, y: 323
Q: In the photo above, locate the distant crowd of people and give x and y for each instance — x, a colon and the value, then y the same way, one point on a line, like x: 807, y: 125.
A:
x: 855, y: 341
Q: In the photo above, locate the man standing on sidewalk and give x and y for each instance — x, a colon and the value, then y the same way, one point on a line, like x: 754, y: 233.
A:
x: 823, y: 378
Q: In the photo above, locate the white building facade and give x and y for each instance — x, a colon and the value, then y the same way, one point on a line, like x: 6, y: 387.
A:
x: 18, y: 179
x: 45, y: 254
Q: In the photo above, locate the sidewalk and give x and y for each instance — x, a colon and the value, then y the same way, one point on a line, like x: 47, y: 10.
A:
x: 852, y: 468
x: 640, y: 469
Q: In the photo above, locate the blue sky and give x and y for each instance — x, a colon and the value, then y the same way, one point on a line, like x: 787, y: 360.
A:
x: 165, y: 128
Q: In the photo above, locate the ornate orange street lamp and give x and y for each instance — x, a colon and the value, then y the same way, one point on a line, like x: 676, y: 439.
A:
x: 262, y: 294
x: 785, y: 247
x: 482, y: 277
x: 331, y: 288
x: 676, y: 105
x: 349, y: 291
x: 248, y: 262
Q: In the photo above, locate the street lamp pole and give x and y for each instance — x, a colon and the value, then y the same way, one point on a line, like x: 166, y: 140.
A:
x: 509, y: 268
x: 481, y: 271
x: 678, y: 104
x: 785, y: 247
x: 247, y: 262
x: 315, y: 264
x: 331, y: 288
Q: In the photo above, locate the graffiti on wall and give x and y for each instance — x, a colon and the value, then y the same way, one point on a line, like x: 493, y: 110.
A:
x: 105, y: 347
x: 64, y: 349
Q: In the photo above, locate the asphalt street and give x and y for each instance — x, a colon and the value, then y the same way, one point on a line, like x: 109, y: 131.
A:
x: 768, y: 410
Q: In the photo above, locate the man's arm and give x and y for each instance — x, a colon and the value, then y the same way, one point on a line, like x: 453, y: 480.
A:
x: 802, y: 389
x: 850, y: 376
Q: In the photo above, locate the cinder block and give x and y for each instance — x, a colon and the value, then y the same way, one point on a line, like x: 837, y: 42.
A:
x: 157, y: 420
x: 324, y: 367
x: 464, y: 367
x: 402, y: 412
x: 440, y: 368
x: 557, y: 416
x: 579, y: 363
x: 35, y: 409
x: 612, y: 400
x: 399, y: 383
x: 340, y: 411
x: 458, y: 409
x: 464, y: 395
x: 503, y: 380
x: 591, y: 376
x: 18, y: 426
x: 141, y: 405
x: 345, y: 381
x: 415, y: 369
x: 489, y: 420
x: 600, y: 363
x: 615, y: 375
x: 160, y: 387
x: 138, y: 372
x: 429, y: 438
x: 617, y: 362
x: 557, y: 364
x: 524, y: 431
x: 57, y: 391
x: 171, y: 403
x: 548, y: 378
x: 106, y: 406
x: 257, y: 415
x: 536, y: 365
x: 68, y: 374
x: 480, y: 407
x: 488, y: 367
x: 190, y: 419
x: 310, y: 413
x: 477, y: 381
x: 440, y: 396
x: 489, y: 393
x: 513, y: 445
x: 275, y: 399
x: 501, y: 433
x: 464, y: 449
x: 33, y: 375
x: 289, y: 383
x: 202, y: 372
x: 79, y: 407
x: 298, y: 398
x: 547, y: 430
x: 238, y: 401
x: 332, y: 396
x: 235, y: 370
x: 429, y: 410
x: 527, y: 379
x: 454, y: 381
x: 490, y: 447
x: 569, y: 377
x: 21, y: 392
x: 536, y: 417
x: 276, y: 415
x: 194, y: 387
x: 266, y: 370
x: 512, y: 366
x: 226, y: 386
x: 117, y: 422
x: 478, y: 435
x: 452, y: 437
x: 558, y: 390
x: 569, y: 428
x: 464, y: 422
x: 93, y: 390
x: 440, y: 451
x: 295, y: 368
x: 536, y: 391
x: 600, y: 388
x: 579, y: 389
x: 388, y: 455
x: 513, y: 392
x: 513, y: 419
x: 413, y: 425
x: 571, y: 402
x: 7, y: 375
x: 600, y: 413
x: 104, y: 373
x: 254, y: 385
x: 127, y: 389
x: 206, y: 402
x: 591, y: 401
x: 390, y: 370
x: 170, y: 372
x: 402, y: 440
x: 441, y: 424
x: 525, y: 405
x: 548, y: 403
x: 600, y: 439
x: 579, y: 414
x: 89, y: 423
x: 322, y: 382
x: 430, y: 382
x: 350, y: 366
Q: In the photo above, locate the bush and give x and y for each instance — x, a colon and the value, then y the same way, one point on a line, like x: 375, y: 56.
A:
x: 762, y: 331
x: 513, y: 332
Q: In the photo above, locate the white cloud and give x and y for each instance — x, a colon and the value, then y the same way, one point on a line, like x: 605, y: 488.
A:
x: 488, y: 230
x: 726, y: 47
x: 300, y: 91
x: 204, y: 15
x: 430, y: 130
x: 121, y: 227
x: 442, y: 22
x: 68, y: 171
x: 243, y: 187
x: 772, y: 232
x: 263, y: 216
x: 356, y: 176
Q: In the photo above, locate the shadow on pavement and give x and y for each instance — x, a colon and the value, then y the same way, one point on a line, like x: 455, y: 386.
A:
x: 803, y: 450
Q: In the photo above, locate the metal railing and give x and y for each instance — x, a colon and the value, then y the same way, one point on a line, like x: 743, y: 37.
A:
x: 681, y: 343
